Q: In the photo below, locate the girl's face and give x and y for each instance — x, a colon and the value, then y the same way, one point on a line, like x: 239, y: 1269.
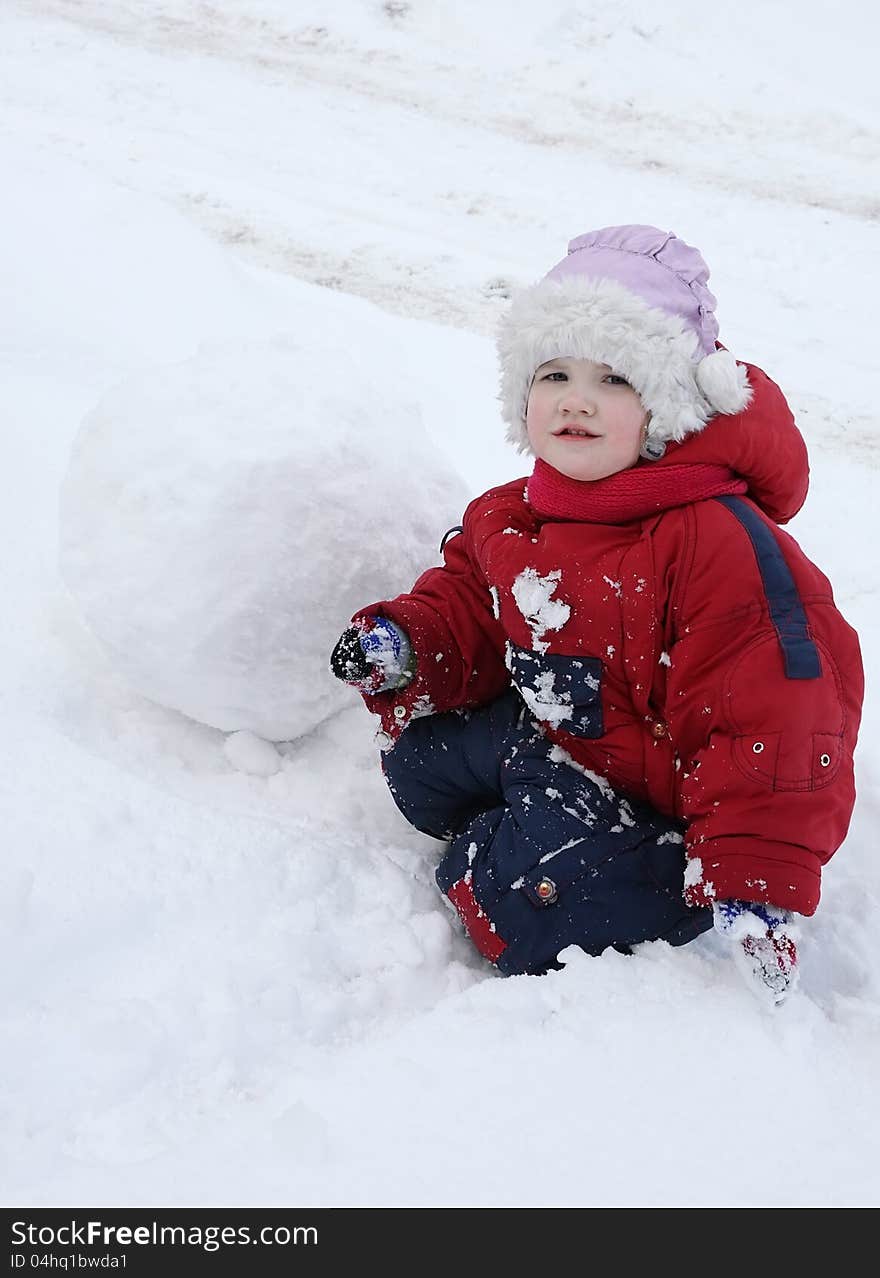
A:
x: 583, y: 419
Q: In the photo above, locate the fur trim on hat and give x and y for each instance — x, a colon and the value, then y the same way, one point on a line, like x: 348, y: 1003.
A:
x: 602, y: 321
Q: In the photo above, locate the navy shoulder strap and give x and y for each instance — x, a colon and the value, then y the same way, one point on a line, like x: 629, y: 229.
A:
x: 799, y: 653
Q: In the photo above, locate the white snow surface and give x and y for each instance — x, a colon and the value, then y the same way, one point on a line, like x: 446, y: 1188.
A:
x: 228, y: 976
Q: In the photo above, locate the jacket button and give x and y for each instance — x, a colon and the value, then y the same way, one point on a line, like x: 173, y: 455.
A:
x: 400, y: 712
x: 384, y: 740
x: 658, y: 729
x: 546, y: 890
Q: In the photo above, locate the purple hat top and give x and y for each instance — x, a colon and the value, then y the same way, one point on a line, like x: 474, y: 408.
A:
x: 635, y: 298
x: 656, y: 265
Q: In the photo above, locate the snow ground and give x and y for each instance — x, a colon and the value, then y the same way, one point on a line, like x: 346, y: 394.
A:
x: 224, y: 988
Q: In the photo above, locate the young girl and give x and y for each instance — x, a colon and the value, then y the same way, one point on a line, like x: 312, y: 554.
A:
x: 626, y: 700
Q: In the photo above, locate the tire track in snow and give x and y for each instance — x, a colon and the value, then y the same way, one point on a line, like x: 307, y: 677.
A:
x: 836, y: 430
x: 402, y: 287
x: 616, y: 133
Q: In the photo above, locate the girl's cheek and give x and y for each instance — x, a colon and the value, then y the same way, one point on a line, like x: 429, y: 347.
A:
x: 533, y: 426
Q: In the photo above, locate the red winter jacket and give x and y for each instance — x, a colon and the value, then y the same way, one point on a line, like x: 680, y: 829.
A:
x: 692, y: 702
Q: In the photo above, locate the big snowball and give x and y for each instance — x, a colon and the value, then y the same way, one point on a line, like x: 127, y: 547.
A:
x: 221, y: 520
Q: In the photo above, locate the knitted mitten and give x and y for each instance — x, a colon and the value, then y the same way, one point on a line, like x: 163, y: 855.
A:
x: 762, y: 940
x: 373, y: 655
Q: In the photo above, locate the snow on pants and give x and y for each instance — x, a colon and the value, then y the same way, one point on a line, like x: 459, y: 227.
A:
x: 540, y: 856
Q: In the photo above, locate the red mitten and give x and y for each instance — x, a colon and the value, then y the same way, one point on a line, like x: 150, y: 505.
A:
x: 763, y: 944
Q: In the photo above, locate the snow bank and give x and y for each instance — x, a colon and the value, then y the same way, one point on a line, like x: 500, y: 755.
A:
x: 222, y: 518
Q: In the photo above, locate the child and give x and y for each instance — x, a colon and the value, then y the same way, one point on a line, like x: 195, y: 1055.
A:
x: 626, y: 700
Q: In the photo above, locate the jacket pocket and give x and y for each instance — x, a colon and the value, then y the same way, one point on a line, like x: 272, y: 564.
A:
x: 565, y: 692
x: 805, y: 747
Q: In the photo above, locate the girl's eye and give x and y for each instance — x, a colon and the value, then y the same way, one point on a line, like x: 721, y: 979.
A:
x: 556, y: 376
x: 616, y: 380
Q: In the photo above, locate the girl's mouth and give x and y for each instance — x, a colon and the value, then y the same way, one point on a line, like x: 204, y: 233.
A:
x: 574, y: 432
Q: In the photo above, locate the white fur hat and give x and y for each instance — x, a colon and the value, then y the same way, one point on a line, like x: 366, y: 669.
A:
x: 635, y: 298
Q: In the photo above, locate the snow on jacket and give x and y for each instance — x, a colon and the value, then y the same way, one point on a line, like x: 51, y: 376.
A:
x: 649, y: 652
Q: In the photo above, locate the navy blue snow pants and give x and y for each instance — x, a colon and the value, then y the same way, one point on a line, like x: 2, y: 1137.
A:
x: 541, y: 855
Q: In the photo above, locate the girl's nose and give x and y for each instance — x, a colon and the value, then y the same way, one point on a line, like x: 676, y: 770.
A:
x: 576, y: 401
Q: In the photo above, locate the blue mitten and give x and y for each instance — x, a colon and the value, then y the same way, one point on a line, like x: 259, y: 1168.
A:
x: 373, y: 655
x: 762, y: 940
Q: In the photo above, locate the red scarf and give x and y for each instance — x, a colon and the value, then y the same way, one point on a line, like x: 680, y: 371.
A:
x: 630, y: 494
